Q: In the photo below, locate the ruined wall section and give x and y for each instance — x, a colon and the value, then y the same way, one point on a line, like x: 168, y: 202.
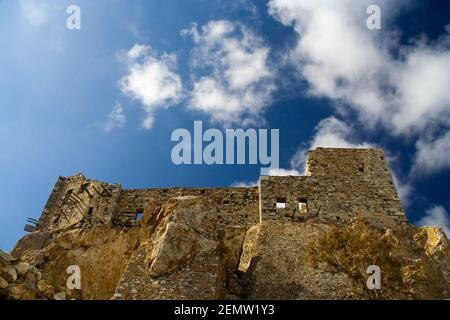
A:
x: 79, y: 200
x: 190, y: 241
x: 230, y: 204
x: 338, y: 185
x: 52, y: 204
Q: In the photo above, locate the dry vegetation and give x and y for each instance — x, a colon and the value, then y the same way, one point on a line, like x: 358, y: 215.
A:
x: 406, y: 269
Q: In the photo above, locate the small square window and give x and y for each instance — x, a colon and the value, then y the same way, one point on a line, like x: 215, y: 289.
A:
x: 281, y: 203
x: 226, y: 202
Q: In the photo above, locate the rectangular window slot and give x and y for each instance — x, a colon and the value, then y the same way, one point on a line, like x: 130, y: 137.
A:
x: 281, y: 203
x: 139, y: 214
x: 303, y: 205
x: 226, y: 202
x: 90, y: 211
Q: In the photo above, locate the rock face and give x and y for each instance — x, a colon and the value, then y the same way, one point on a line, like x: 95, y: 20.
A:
x: 179, y: 253
x: 321, y: 261
x: 310, y: 237
x: 178, y: 256
x: 21, y: 281
x: 101, y: 252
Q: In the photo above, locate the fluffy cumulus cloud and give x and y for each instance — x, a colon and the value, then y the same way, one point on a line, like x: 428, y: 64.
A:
x: 404, y: 188
x: 244, y: 184
x: 283, y: 172
x: 329, y: 133
x: 151, y: 80
x: 279, y: 172
x: 332, y: 132
x: 116, y: 119
x: 233, y: 82
x: 432, y: 156
x: 436, y: 216
x: 343, y: 60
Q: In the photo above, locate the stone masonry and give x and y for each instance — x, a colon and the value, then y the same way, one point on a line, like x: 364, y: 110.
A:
x: 236, y: 243
x: 338, y: 184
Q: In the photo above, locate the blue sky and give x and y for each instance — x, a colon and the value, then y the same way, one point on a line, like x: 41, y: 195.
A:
x: 105, y: 99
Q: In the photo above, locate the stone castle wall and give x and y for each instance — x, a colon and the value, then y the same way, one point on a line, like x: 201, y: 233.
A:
x: 77, y: 200
x: 209, y: 243
x: 338, y: 184
x: 230, y: 204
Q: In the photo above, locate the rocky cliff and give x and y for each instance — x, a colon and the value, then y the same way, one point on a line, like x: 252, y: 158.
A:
x: 179, y: 250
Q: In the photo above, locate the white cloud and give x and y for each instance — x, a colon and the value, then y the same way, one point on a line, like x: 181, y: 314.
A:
x: 237, y: 82
x: 247, y: 6
x: 40, y: 13
x: 422, y: 82
x: 136, y: 52
x: 151, y: 80
x: 432, y: 156
x: 245, y: 184
x: 329, y: 133
x: 335, y: 53
x: 116, y: 119
x: 404, y: 188
x: 436, y: 216
x: 283, y: 172
x: 334, y: 133
x: 342, y: 60
x: 298, y: 160
x: 35, y: 12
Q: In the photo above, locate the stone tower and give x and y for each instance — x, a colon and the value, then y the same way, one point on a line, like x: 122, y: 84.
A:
x: 338, y: 184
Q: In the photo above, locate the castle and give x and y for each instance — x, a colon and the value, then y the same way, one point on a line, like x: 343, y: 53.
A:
x: 338, y: 184
x: 236, y: 243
